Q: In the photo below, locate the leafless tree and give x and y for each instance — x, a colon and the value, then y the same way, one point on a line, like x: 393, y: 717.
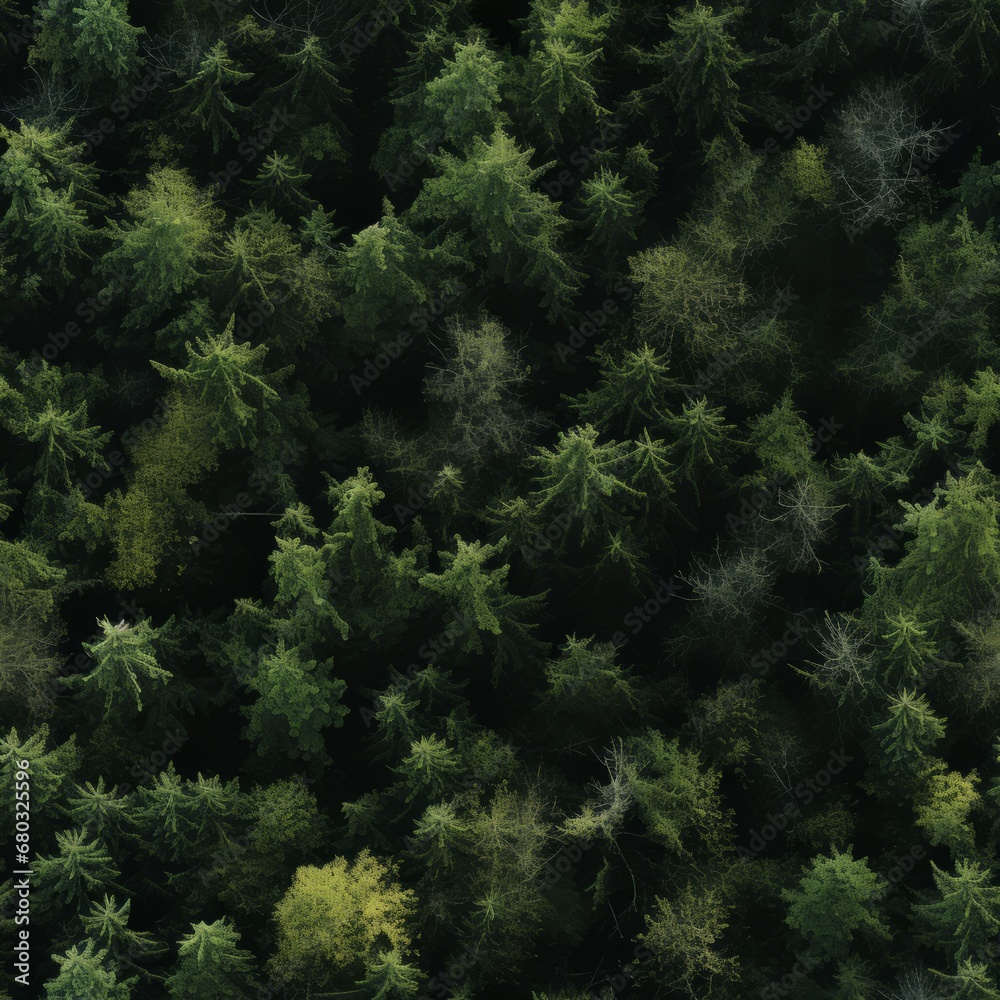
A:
x: 604, y: 814
x: 915, y: 984
x: 805, y: 521
x: 880, y: 151
x: 846, y: 666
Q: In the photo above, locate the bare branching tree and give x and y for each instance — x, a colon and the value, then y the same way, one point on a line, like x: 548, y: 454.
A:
x: 604, y: 814
x: 915, y: 984
x: 880, y: 151
x: 846, y: 667
x: 804, y: 522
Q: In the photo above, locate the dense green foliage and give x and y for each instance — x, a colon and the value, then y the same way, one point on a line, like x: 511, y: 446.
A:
x: 500, y: 500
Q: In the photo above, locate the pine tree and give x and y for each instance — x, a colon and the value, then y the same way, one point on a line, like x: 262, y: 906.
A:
x: 207, y: 100
x: 910, y: 730
x: 107, y: 923
x: 106, y: 44
x: 51, y: 768
x: 314, y: 82
x: 565, y: 46
x: 126, y: 667
x: 480, y: 604
x: 610, y: 211
x: 279, y: 185
x: 970, y: 981
x: 677, y: 797
x: 429, y: 768
x: 389, y: 977
x: 965, y: 916
x: 384, y: 592
x: 261, y: 268
x: 441, y: 835
x: 99, y: 810
x: 227, y: 380
x: 91, y: 40
x: 697, y: 66
x: 63, y: 437
x: 588, y: 684
x: 630, y: 395
x: 912, y: 652
x: 462, y: 101
x: 865, y: 480
x: 160, y: 815
x: 82, y: 974
x: 161, y: 247
x: 301, y: 571
x: 982, y: 407
x: 210, y: 964
x: 59, y: 233
x: 952, y: 560
x: 289, y: 830
x: 79, y: 870
x: 782, y: 441
x: 583, y: 479
x: 962, y: 37
x: 701, y: 436
x: 513, y: 227
x: 388, y: 271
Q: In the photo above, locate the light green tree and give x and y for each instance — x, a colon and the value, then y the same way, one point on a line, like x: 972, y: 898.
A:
x: 834, y: 903
x: 126, y: 667
x: 332, y: 918
x: 82, y: 973
x: 160, y: 248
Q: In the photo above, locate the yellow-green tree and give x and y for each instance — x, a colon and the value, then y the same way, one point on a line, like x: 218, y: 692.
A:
x: 334, y: 917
